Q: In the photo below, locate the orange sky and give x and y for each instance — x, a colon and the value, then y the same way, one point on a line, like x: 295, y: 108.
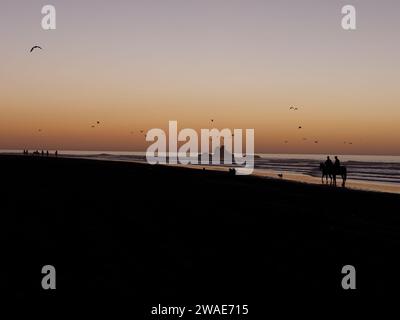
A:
x: 140, y: 65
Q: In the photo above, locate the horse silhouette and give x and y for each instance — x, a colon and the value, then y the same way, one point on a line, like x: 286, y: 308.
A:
x: 332, y: 172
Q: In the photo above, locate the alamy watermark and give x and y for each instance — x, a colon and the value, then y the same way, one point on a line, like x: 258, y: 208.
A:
x: 226, y: 147
x: 349, y: 18
x: 348, y: 21
x: 49, y: 19
x: 349, y: 280
x: 49, y: 280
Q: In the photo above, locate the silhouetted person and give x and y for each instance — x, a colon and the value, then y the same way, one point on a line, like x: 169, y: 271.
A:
x: 328, y: 163
x: 337, y: 163
x: 56, y: 153
x: 47, y: 153
x: 42, y: 153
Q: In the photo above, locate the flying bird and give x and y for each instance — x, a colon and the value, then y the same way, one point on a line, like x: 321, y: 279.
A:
x: 300, y: 127
x: 286, y: 141
x: 35, y: 47
x: 98, y: 122
x: 315, y: 141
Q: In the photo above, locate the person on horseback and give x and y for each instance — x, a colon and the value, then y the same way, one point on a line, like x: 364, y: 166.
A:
x: 331, y: 170
x: 337, y: 164
x: 328, y: 164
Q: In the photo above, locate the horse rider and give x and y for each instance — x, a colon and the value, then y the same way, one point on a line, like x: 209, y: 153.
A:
x: 337, y: 164
x: 328, y: 164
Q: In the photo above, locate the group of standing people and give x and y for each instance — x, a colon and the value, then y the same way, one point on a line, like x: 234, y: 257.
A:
x: 37, y: 153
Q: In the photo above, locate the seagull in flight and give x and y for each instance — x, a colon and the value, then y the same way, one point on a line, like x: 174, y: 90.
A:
x: 35, y: 47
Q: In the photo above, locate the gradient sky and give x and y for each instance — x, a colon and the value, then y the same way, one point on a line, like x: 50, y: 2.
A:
x: 135, y: 65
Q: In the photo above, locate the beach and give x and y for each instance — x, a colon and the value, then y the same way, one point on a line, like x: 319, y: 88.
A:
x: 364, y: 172
x: 153, y: 234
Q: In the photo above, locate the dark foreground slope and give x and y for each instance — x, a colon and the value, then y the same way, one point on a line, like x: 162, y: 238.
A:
x: 154, y: 234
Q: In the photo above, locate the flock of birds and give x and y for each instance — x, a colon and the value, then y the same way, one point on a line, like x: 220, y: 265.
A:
x: 291, y: 108
x: 96, y: 124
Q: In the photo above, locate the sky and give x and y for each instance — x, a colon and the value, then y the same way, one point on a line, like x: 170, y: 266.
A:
x: 135, y: 65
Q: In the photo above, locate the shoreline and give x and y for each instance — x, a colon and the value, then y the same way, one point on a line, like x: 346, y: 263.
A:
x: 350, y: 183
x: 353, y: 184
